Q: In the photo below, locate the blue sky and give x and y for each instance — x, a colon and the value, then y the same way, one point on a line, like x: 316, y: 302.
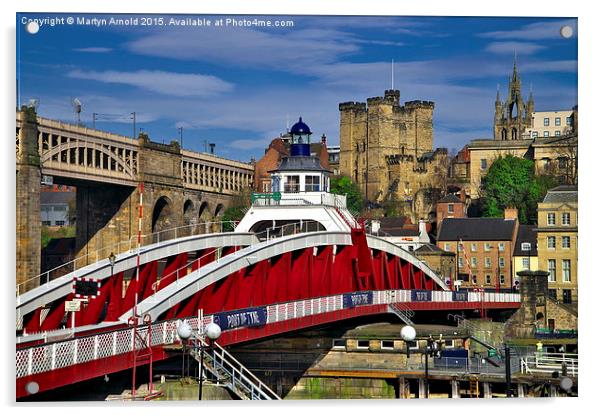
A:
x: 236, y: 87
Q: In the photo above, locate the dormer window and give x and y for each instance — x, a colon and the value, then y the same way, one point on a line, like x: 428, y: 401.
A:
x: 525, y: 246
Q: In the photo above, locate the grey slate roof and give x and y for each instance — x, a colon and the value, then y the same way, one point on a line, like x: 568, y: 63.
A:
x: 526, y: 233
x: 300, y: 163
x: 561, y: 194
x: 476, y: 229
x: 450, y: 198
x: 429, y: 248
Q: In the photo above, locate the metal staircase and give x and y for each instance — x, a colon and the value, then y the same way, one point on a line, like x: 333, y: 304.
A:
x: 476, y: 333
x: 230, y: 372
x: 403, y: 312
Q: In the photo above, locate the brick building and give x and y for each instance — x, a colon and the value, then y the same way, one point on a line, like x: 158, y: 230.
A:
x: 485, y: 247
x: 451, y: 206
x: 557, y: 241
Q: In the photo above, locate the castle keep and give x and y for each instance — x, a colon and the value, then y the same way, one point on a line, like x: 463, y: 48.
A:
x: 387, y: 149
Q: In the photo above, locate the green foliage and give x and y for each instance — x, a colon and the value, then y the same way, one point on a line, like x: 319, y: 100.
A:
x: 511, y: 182
x: 232, y: 214
x: 392, y: 207
x: 343, y: 185
x: 48, y: 234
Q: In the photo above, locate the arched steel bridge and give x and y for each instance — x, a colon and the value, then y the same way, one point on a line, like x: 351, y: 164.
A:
x: 251, y: 288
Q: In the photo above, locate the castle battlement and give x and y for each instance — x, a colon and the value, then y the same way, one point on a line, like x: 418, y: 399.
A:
x: 352, y: 106
x: 419, y: 104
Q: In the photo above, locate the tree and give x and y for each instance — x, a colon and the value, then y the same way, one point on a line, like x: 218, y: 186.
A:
x: 240, y: 205
x: 511, y: 182
x: 343, y: 185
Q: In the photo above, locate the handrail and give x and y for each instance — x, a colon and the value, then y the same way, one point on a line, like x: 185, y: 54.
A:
x: 110, y: 249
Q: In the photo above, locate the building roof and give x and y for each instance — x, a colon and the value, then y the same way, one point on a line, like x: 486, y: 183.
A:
x: 561, y: 194
x: 431, y: 248
x: 300, y: 128
x: 526, y: 233
x: 450, y: 198
x: 300, y: 163
x: 476, y: 229
x: 56, y: 198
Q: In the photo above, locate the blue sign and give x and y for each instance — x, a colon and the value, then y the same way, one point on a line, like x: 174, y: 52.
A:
x: 249, y: 317
x: 460, y: 295
x: 358, y: 298
x: 422, y: 295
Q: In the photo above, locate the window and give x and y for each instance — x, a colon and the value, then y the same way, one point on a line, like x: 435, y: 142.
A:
x: 460, y: 262
x: 535, y: 134
x: 460, y: 247
x: 551, y: 242
x: 557, y: 133
x: 566, y: 219
x: 449, y: 343
x: 566, y: 241
x: 59, y: 222
x: 551, y: 219
x: 546, y: 133
x: 502, y: 262
x: 363, y: 344
x: 312, y: 183
x: 46, y: 223
x: 552, y: 270
x: 413, y: 345
x: 266, y: 187
x: 474, y: 279
x: 386, y: 344
x: 487, y: 246
x: 563, y: 163
x: 525, y: 246
x: 338, y: 343
x: 483, y: 164
x: 557, y: 121
x: 526, y: 263
x: 569, y: 121
x: 450, y: 208
x: 473, y: 262
x: 566, y: 270
x: 487, y: 262
x: 473, y: 247
x: 552, y: 294
x: 546, y: 122
x: 292, y: 184
x: 502, y: 279
x: 567, y: 297
x: 501, y: 247
x: 447, y: 247
x: 488, y: 279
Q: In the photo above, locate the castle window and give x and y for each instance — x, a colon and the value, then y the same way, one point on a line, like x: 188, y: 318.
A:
x: 546, y: 122
x: 504, y: 134
x: 514, y: 134
x: 557, y: 121
x: 483, y: 164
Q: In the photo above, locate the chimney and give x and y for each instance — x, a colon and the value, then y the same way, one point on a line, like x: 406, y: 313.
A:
x: 463, y: 195
x: 423, y: 235
x: 323, y: 139
x: 511, y: 213
x: 375, y: 227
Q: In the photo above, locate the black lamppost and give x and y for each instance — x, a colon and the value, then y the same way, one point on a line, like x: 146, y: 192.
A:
x: 212, y: 331
x: 112, y: 259
x: 408, y: 334
x: 508, y: 372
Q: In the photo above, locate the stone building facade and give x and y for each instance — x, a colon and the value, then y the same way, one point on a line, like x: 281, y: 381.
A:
x: 557, y: 242
x: 387, y: 149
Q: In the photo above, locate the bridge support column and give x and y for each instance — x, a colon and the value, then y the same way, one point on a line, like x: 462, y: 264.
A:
x: 487, y: 390
x: 455, y: 389
x: 521, y: 390
x: 403, y: 388
x: 29, y: 229
x: 421, y: 389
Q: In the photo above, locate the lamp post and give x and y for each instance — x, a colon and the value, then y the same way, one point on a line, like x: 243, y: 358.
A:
x: 408, y: 334
x: 212, y: 331
x: 112, y: 259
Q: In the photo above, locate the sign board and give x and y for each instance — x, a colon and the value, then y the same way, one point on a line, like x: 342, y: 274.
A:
x: 422, y: 295
x: 73, y: 305
x: 351, y: 300
x: 249, y: 317
x: 85, y: 288
x: 491, y: 353
x: 459, y: 295
x: 47, y: 180
x: 458, y: 283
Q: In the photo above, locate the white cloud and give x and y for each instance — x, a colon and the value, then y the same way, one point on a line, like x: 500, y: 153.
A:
x: 521, y: 48
x: 549, y: 29
x: 167, y: 83
x: 93, y: 49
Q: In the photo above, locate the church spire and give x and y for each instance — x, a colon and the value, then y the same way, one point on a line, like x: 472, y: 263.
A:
x: 514, y: 70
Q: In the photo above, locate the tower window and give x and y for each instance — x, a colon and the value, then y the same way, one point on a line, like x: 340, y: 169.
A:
x: 483, y: 164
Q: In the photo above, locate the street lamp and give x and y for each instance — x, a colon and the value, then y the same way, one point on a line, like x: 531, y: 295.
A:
x: 212, y: 331
x: 112, y: 259
x: 408, y: 334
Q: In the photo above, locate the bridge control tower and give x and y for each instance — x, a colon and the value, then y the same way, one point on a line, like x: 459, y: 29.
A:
x: 300, y: 199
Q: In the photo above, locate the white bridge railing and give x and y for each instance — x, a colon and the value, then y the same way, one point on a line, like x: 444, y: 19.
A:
x: 60, y: 354
x: 548, y: 363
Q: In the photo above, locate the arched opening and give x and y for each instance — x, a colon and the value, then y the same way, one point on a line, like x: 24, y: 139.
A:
x: 285, y: 227
x: 504, y: 134
x: 514, y: 134
x: 162, y: 219
x: 219, y: 210
x: 514, y: 110
x: 190, y: 218
x: 204, y: 217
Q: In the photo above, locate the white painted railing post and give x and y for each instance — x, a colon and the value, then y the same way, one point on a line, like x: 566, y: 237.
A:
x: 53, y: 357
x: 75, y: 345
x: 114, y: 349
x: 95, y: 347
x: 29, y: 361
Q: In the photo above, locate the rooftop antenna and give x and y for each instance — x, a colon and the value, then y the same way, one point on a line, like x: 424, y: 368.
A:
x: 392, y: 74
x: 77, y: 108
x: 34, y: 103
x: 287, y: 122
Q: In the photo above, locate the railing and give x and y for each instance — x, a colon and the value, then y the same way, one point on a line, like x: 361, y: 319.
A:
x: 240, y: 379
x: 120, y: 247
x: 403, y: 312
x: 548, y: 363
x: 481, y: 335
x: 51, y: 356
